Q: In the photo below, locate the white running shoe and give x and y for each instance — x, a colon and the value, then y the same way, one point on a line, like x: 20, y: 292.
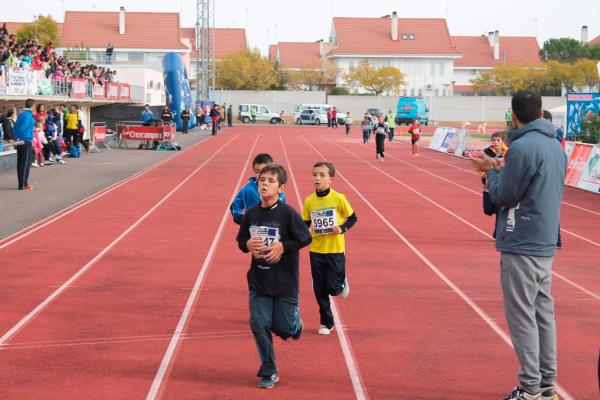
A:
x: 323, y: 330
x: 61, y: 161
x: 346, y: 291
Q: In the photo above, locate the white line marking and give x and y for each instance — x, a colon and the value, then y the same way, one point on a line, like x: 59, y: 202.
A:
x: 87, y: 266
x: 439, y: 273
x: 475, y: 173
x: 173, y: 343
x: 66, y: 211
x: 351, y: 364
x: 462, y: 219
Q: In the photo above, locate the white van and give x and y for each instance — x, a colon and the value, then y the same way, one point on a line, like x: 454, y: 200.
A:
x: 262, y: 114
x: 320, y: 110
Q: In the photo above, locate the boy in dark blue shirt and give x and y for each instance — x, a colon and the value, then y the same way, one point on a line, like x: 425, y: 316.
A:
x: 274, y: 233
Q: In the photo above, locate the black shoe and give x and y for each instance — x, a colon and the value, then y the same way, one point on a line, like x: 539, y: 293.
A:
x: 269, y: 382
x: 548, y: 393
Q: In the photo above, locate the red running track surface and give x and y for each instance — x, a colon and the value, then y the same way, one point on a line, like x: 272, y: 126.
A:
x: 424, y: 319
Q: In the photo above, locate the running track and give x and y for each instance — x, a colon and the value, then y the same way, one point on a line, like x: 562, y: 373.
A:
x: 150, y: 300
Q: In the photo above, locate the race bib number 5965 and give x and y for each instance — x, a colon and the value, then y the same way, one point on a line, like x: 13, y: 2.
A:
x: 323, y: 221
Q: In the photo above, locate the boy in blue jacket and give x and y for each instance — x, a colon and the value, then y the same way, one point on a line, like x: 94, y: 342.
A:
x: 248, y: 196
x: 23, y: 130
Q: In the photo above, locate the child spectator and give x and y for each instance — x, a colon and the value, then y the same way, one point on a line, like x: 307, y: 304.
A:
x: 330, y: 215
x: 274, y: 233
x: 248, y: 196
x: 496, y: 150
x: 39, y: 139
x: 415, y: 135
x: 348, y: 123
x: 381, y: 131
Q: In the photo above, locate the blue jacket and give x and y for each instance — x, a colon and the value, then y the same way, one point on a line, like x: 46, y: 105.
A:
x: 147, y: 115
x: 23, y: 129
x: 247, y: 197
x: 529, y: 189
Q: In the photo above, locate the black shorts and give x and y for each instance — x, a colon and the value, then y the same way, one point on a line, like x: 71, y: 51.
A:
x: 414, y: 140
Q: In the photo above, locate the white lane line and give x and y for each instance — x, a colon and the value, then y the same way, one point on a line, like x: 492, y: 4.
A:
x: 66, y: 211
x: 479, y: 194
x: 594, y: 295
x: 475, y: 173
x: 33, y: 313
x: 181, y: 325
x: 351, y: 364
x: 482, y: 314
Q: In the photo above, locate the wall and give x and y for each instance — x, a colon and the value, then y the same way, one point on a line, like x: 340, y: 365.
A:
x: 155, y: 95
x: 275, y: 100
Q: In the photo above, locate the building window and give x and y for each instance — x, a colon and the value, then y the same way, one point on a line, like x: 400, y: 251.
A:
x: 432, y: 69
x: 411, y: 36
x: 420, y: 92
x: 412, y: 92
x: 404, y: 36
x: 441, y: 69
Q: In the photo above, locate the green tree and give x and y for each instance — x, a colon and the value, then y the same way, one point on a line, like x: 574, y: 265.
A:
x: 594, y: 52
x: 377, y: 80
x: 563, y: 50
x: 43, y: 29
x: 322, y: 74
x: 246, y: 70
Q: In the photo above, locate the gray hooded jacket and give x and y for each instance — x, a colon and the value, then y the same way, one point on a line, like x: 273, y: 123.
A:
x: 529, y: 190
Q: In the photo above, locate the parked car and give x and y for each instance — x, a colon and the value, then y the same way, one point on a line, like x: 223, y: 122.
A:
x: 310, y: 117
x: 321, y: 109
x: 374, y: 112
x: 411, y: 108
x: 262, y: 114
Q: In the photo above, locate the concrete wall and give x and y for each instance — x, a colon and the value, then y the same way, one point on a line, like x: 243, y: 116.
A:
x: 8, y: 160
x: 275, y: 100
x: 442, y: 108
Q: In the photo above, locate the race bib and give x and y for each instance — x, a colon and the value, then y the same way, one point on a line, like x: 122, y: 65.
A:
x: 323, y: 221
x: 381, y: 130
x: 268, y: 235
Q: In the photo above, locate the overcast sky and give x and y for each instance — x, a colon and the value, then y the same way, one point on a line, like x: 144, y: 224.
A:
x: 269, y: 21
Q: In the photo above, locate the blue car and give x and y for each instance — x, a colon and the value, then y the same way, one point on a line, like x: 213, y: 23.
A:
x: 411, y: 108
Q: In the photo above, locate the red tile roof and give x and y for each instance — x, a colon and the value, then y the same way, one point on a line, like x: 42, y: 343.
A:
x: 372, y: 36
x: 143, y: 30
x: 595, y: 41
x: 227, y: 40
x: 297, y: 54
x: 478, y: 53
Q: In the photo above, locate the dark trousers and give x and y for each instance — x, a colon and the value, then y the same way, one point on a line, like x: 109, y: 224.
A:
x: 328, y: 276
x: 184, y: 125
x: 333, y: 122
x: 72, y: 136
x: 329, y: 122
x: 278, y: 315
x: 391, y: 134
x: 366, y: 134
x: 229, y: 122
x: 50, y: 148
x: 347, y: 129
x: 380, y: 143
x: 215, y: 126
x: 24, y: 160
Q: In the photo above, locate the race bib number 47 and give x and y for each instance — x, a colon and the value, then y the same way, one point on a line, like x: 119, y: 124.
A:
x: 323, y: 221
x: 267, y: 234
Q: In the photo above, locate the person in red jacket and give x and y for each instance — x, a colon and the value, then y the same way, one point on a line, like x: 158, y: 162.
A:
x: 334, y: 118
x: 415, y: 135
x: 329, y: 117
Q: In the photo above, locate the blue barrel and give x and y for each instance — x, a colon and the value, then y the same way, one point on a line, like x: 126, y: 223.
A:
x: 177, y: 89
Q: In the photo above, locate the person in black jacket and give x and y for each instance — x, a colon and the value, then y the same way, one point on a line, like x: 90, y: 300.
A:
x: 8, y: 124
x: 274, y: 233
x: 185, y: 119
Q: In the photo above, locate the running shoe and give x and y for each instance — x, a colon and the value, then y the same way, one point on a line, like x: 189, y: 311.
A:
x: 268, y: 382
x: 520, y: 394
x: 346, y: 290
x: 548, y: 393
x: 28, y: 187
x: 323, y: 330
x: 61, y: 161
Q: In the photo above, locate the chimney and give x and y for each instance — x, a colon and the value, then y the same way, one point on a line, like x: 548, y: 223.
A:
x: 497, y: 45
x: 584, y: 34
x: 490, y: 38
x: 122, y: 21
x: 321, y: 52
x: 394, y: 25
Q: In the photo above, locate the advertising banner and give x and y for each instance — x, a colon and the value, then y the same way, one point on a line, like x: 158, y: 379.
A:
x: 124, y: 91
x: 590, y: 174
x: 137, y: 132
x: 447, y: 140
x: 581, y: 106
x: 17, y: 81
x: 79, y: 88
x: 2, y: 79
x: 169, y: 133
x: 576, y: 163
x: 99, y: 133
x: 438, y: 138
x: 98, y: 92
x: 112, y: 91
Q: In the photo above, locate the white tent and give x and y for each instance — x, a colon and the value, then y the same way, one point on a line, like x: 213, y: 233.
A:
x: 558, y: 116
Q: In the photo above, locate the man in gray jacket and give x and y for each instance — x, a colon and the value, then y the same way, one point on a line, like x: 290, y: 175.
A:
x: 528, y: 186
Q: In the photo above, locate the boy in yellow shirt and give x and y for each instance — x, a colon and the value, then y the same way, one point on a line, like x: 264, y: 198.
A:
x: 330, y: 215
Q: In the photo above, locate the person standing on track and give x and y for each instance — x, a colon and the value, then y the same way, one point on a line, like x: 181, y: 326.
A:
x: 380, y: 129
x: 248, y: 196
x: 229, y: 116
x: 274, y: 233
x: 23, y: 131
x: 528, y: 186
x: 496, y: 150
x: 365, y: 124
x: 185, y: 117
x: 348, y: 123
x: 391, y: 121
x: 330, y: 215
x: 334, y: 123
